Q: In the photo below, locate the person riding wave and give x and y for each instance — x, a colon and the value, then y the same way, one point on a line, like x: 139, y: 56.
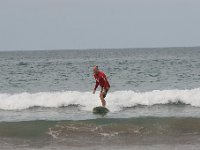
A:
x: 101, y: 80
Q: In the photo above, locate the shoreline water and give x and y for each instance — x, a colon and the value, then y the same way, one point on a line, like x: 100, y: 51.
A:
x: 130, y: 133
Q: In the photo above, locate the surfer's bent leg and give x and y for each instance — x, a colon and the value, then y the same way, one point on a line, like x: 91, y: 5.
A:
x: 102, y: 95
x: 105, y: 91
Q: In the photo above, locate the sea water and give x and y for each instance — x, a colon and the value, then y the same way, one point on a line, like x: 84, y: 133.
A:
x: 46, y: 99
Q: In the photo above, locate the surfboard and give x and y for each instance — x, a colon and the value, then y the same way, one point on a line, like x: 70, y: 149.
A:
x: 100, y: 110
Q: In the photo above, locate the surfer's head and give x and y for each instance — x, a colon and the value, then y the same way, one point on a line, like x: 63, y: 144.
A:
x: 95, y: 69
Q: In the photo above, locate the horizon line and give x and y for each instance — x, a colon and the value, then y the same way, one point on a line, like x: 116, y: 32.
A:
x: 79, y: 49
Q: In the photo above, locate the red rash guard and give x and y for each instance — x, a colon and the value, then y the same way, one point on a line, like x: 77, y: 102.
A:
x: 101, y: 80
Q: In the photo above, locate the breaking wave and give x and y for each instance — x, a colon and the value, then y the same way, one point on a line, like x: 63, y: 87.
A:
x: 115, y: 100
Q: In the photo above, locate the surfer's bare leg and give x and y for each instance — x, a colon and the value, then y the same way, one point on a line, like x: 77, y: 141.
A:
x: 102, y: 99
x: 102, y: 95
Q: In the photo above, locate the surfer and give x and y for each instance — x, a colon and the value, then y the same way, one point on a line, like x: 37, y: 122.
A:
x: 101, y: 80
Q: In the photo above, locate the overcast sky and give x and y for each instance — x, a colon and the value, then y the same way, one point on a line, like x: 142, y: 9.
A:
x: 82, y: 24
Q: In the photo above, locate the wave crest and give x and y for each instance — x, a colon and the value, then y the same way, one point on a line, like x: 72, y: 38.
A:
x: 115, y: 100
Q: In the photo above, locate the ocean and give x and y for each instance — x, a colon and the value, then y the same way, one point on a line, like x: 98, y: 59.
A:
x: 46, y: 99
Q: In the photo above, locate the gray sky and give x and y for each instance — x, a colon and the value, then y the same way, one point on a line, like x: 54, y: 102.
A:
x: 82, y: 24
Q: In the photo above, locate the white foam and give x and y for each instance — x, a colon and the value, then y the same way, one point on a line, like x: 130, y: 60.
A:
x: 115, y: 100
